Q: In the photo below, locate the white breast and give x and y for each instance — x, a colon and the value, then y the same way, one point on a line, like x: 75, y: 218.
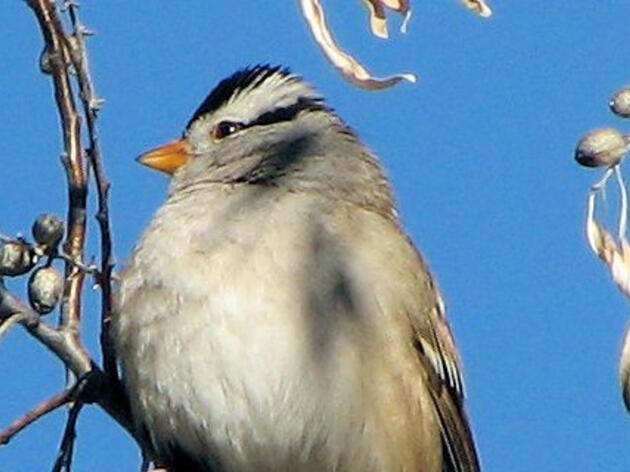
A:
x: 219, y: 351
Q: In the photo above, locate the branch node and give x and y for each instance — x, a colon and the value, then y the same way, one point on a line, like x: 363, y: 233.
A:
x: 68, y: 4
x: 85, y: 31
x: 96, y: 103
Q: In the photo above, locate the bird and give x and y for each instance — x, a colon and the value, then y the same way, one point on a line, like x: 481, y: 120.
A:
x: 275, y: 316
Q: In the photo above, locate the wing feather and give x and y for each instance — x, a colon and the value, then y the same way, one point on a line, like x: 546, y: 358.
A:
x: 438, y: 353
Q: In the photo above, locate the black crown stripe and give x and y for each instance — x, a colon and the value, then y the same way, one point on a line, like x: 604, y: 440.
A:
x: 237, y: 82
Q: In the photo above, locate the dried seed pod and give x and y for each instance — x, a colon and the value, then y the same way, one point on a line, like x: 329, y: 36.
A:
x: 602, y: 147
x: 44, y: 289
x: 620, y: 103
x: 48, y: 230
x: 16, y: 258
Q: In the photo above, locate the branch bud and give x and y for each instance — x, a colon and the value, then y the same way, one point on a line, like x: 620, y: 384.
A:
x: 44, y: 61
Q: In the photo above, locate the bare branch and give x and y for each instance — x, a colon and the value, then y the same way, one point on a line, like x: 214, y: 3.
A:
x: 74, y: 163
x: 58, y: 341
x: 55, y: 254
x: 64, y: 342
x: 36, y: 413
x: 88, y: 269
x: 8, y: 323
x: 106, y: 393
x: 64, y: 459
x: 91, y: 105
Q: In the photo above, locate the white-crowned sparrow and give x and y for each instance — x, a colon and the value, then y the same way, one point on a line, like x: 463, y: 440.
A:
x: 274, y: 316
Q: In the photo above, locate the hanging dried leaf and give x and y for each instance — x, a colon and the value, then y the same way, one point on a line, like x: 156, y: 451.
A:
x: 616, y: 255
x: 378, y: 21
x: 478, y: 6
x: 349, y: 67
x: 378, y: 15
x: 345, y: 63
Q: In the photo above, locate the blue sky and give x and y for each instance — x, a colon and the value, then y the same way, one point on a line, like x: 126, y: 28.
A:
x: 480, y: 153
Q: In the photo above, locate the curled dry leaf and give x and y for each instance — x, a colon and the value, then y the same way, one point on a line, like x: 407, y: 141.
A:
x: 478, y: 6
x: 617, y: 258
x: 349, y: 67
x: 345, y: 63
x: 378, y: 15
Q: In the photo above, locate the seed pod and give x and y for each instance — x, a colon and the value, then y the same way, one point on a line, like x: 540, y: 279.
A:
x: 602, y: 147
x: 44, y: 289
x: 48, y: 230
x: 15, y: 259
x: 620, y: 103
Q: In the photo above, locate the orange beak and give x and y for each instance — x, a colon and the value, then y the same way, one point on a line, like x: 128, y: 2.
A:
x: 167, y: 158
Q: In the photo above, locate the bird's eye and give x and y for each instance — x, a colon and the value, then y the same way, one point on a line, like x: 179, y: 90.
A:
x: 224, y: 129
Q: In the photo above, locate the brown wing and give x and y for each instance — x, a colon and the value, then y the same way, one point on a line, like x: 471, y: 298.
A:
x: 406, y: 288
x: 436, y: 347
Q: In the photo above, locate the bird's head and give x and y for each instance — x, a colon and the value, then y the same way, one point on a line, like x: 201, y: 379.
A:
x: 264, y: 125
x: 247, y: 116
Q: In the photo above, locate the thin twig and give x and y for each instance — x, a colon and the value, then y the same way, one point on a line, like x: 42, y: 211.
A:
x: 88, y: 269
x: 601, y: 183
x: 65, y: 342
x: 91, y: 106
x: 8, y: 323
x: 66, y: 450
x: 36, y: 413
x: 39, y: 251
x: 83, y: 391
x: 58, y: 341
x: 109, y: 394
x: 623, y: 206
x: 74, y: 164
